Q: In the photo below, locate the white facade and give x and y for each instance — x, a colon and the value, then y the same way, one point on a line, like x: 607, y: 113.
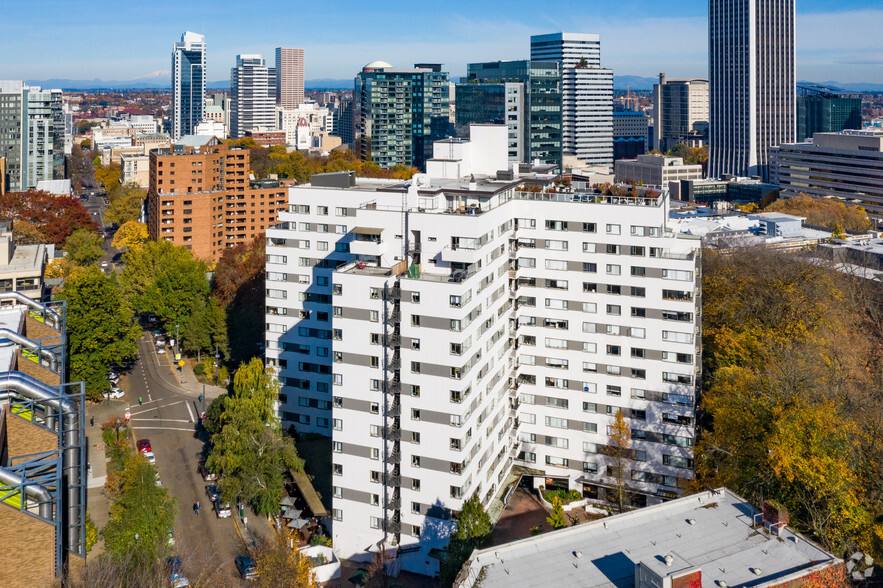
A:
x: 656, y: 170
x: 752, y: 84
x: 586, y: 94
x: 482, y: 328
x: 680, y: 111
x: 319, y: 120
x: 252, y: 95
x: 211, y: 127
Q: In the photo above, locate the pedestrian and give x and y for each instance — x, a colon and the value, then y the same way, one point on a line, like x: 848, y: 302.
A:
x: 196, y: 508
x: 139, y: 401
x: 92, y: 422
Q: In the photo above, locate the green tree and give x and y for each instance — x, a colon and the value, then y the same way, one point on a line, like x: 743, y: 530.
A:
x: 101, y: 331
x: 164, y: 279
x: 249, y: 453
x: 473, y: 531
x: 556, y: 517
x: 205, y: 329
x: 141, y: 513
x: 84, y: 247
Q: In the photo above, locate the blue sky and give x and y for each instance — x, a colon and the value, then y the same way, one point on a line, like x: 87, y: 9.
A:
x: 79, y: 39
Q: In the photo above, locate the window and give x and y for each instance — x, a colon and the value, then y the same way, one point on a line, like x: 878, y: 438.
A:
x: 555, y: 323
x: 673, y: 378
x: 557, y: 402
x: 375, y: 477
x: 415, y: 507
x: 373, y: 316
x: 556, y: 225
x: 614, y: 350
x: 455, y: 301
x: 375, y: 522
x: 415, y: 461
x: 415, y: 367
x: 589, y: 387
x: 556, y: 343
x: 415, y: 343
x: 415, y: 320
x: 677, y: 275
x: 415, y: 414
x: 556, y: 264
x: 589, y: 287
x: 415, y: 484
x: 590, y: 367
x: 639, y: 271
x: 337, y: 424
x: 456, y: 492
x: 613, y: 249
x: 677, y: 337
x: 337, y: 447
x: 590, y: 228
x: 677, y: 357
x: 556, y: 304
x: 559, y: 442
x: 526, y: 262
x: 562, y: 462
x: 337, y: 469
x: 415, y: 438
x: 590, y: 468
x: 639, y: 353
x: 556, y: 284
x: 590, y: 307
x: 590, y: 407
x: 375, y: 430
x: 337, y: 514
x: 671, y: 315
x: 670, y: 295
x: 556, y: 245
x: 588, y: 247
x: 613, y: 229
x: 555, y: 422
x: 676, y: 461
x: 590, y: 267
x: 614, y: 309
x: 614, y: 391
x: 613, y: 269
x: 639, y: 292
x: 639, y: 312
x: 635, y: 250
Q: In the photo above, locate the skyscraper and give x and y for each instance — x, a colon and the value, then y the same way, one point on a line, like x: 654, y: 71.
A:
x: 751, y: 83
x: 400, y: 112
x: 188, y: 83
x: 31, y: 134
x: 586, y: 94
x: 826, y: 110
x: 252, y: 95
x: 680, y: 112
x: 289, y: 77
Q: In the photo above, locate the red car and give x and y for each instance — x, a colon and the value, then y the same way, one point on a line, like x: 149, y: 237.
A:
x: 144, y: 445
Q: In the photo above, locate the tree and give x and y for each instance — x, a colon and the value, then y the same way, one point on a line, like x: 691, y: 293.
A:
x: 619, y: 450
x: 141, y: 513
x: 473, y: 531
x: 556, y: 519
x: 56, y: 217
x: 164, y: 279
x: 823, y: 211
x: 205, y: 329
x: 280, y: 565
x: 249, y: 453
x: 239, y: 288
x: 130, y: 234
x: 101, y: 332
x: 84, y: 247
x: 27, y: 233
x: 126, y: 202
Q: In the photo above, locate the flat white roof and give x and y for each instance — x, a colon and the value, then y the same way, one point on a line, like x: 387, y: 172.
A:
x: 12, y: 319
x: 711, y: 531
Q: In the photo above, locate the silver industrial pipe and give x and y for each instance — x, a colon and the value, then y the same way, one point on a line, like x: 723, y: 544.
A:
x: 46, y: 354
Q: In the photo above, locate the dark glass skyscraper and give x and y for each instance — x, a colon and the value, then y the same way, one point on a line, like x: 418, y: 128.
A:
x: 826, y: 110
x: 188, y: 84
x: 536, y: 109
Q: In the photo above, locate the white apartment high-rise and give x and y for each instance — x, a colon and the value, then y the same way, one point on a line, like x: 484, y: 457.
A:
x: 752, y: 85
x: 586, y: 94
x: 289, y: 77
x: 252, y: 95
x: 188, y: 84
x: 445, y: 329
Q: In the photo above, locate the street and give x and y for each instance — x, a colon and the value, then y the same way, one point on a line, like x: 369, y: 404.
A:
x: 168, y: 417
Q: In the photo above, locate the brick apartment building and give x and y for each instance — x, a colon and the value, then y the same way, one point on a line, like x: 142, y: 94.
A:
x: 201, y: 197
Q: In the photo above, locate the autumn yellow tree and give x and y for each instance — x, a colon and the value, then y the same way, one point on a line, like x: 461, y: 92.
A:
x: 280, y: 565
x: 826, y: 212
x: 130, y: 234
x: 619, y: 450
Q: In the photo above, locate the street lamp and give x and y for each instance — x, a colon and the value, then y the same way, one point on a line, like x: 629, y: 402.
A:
x: 217, y: 358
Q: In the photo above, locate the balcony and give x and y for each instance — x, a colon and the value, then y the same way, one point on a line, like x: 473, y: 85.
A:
x: 460, y: 255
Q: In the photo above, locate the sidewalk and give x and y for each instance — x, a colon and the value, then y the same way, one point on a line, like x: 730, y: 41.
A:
x: 187, y: 379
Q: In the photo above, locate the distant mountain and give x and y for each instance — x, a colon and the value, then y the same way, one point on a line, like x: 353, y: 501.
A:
x: 161, y: 81
x: 329, y: 84
x: 633, y: 82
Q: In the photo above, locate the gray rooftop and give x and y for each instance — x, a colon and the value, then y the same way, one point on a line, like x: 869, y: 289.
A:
x: 712, y: 532
x: 55, y: 186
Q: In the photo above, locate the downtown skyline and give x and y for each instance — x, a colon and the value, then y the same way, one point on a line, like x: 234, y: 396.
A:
x: 113, y: 44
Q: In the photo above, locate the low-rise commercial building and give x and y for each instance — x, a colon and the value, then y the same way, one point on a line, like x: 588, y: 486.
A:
x: 731, y: 189
x: 712, y: 539
x: 22, y: 267
x: 656, y: 170
x: 135, y: 169
x: 846, y: 165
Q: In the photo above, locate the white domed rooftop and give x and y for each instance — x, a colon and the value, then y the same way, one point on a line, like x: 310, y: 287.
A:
x: 377, y: 65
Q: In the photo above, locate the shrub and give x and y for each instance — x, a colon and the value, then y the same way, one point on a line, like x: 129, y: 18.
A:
x: 199, y: 369
x: 321, y: 540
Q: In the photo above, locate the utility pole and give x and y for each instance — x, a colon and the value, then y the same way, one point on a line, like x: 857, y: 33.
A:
x: 177, y: 343
x: 217, y: 359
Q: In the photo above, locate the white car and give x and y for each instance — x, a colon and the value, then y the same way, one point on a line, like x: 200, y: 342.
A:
x: 150, y: 457
x: 161, y: 350
x: 114, y: 393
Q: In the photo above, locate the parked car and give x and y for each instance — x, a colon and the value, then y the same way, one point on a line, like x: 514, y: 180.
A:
x: 223, y: 510
x: 207, y: 475
x: 246, y: 568
x: 144, y: 445
x: 171, y: 538
x: 150, y: 457
x: 160, y: 350
x: 113, y: 377
x: 212, y: 491
x: 115, y: 393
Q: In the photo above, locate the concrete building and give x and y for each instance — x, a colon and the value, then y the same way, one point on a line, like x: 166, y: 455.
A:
x: 344, y: 125
x: 135, y: 169
x: 729, y: 189
x: 42, y: 443
x: 526, y: 96
x: 711, y: 539
x: 586, y: 94
x: 446, y: 329
x: 680, y: 112
x: 55, y: 187
x: 400, y: 112
x: 22, y: 266
x: 752, y: 94
x: 656, y: 170
x: 630, y: 134
x: 267, y: 137
x: 200, y: 196
x: 317, y: 119
x: 31, y: 134
x: 252, y: 95
x: 211, y: 127
x: 847, y: 165
x: 289, y: 77
x: 188, y: 83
